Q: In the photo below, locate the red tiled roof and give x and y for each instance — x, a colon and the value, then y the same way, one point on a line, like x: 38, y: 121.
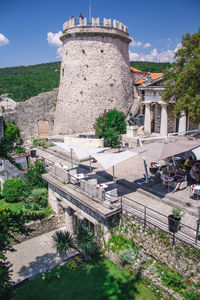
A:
x: 135, y: 70
x: 153, y: 75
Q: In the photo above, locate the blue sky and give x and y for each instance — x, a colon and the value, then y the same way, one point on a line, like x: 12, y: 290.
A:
x: 156, y: 26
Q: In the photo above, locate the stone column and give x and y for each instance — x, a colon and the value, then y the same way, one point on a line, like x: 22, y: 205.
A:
x: 164, y: 120
x: 182, y: 122
x: 69, y: 220
x: 147, y: 119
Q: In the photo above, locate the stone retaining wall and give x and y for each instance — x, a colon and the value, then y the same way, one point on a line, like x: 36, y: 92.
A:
x: 30, y: 113
x: 181, y: 257
x: 41, y: 226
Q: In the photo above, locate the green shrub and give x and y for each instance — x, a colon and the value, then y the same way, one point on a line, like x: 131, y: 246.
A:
x: 32, y: 210
x: 119, y: 242
x: 110, y: 125
x: 72, y: 264
x: 12, y: 132
x: 39, y: 196
x: 33, y: 175
x: 42, y: 143
x: 12, y: 189
x: 127, y: 257
x: 19, y: 149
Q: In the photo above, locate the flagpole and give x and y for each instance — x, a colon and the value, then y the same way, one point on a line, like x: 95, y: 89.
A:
x: 90, y: 12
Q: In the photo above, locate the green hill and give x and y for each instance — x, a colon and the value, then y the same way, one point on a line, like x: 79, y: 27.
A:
x: 147, y: 66
x: 23, y: 82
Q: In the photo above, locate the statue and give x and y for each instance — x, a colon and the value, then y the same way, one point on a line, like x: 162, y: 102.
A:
x: 132, y: 120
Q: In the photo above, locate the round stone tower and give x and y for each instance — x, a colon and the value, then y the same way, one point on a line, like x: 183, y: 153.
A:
x: 95, y: 74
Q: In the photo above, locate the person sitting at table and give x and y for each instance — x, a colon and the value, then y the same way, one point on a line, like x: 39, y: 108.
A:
x: 194, y: 173
x: 179, y: 177
x: 189, y: 163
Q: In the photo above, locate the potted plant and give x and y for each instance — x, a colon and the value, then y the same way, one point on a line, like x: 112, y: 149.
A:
x: 175, y: 219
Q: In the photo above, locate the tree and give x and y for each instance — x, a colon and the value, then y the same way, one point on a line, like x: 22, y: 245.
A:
x: 84, y: 242
x: 110, y: 125
x: 182, y: 80
x: 12, y: 133
x: 9, y: 222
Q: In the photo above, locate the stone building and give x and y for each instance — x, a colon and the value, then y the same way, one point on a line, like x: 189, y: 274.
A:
x: 6, y: 104
x: 95, y: 73
x: 82, y: 200
x: 158, y: 114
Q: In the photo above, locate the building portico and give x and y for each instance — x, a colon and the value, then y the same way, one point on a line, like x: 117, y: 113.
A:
x: 158, y: 116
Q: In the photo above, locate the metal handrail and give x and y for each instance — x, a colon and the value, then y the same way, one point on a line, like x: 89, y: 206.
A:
x: 145, y: 214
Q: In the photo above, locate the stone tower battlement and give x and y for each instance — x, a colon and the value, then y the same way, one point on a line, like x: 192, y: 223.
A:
x: 95, y: 73
x: 73, y: 22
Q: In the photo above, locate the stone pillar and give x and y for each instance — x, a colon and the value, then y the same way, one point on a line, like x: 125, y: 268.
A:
x: 147, y: 119
x: 69, y: 220
x: 182, y: 122
x: 164, y: 120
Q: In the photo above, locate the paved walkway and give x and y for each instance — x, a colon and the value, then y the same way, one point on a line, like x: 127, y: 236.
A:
x: 34, y: 256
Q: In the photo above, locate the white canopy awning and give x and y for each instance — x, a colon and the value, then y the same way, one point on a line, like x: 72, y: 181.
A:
x: 108, y: 160
x: 80, y: 149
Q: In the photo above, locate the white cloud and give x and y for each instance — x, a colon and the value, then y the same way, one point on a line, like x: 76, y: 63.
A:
x: 134, y: 56
x: 54, y: 40
x: 3, y: 40
x: 59, y: 52
x: 147, y: 45
x: 178, y: 46
x: 155, y: 56
x: 135, y: 44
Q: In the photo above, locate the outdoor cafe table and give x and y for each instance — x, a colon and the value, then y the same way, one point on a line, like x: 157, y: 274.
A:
x: 168, y: 181
x: 195, y: 188
x: 80, y: 176
x: 102, y: 185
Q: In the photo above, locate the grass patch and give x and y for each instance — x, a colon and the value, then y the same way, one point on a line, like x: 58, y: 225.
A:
x: 16, y: 206
x: 100, y: 279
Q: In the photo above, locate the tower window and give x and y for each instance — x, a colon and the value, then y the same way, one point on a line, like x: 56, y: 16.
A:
x: 63, y: 72
x: 101, y: 51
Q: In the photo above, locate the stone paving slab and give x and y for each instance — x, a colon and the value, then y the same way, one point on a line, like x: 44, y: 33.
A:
x: 35, y: 256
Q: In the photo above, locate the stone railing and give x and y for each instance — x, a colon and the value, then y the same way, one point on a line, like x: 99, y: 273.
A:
x: 76, y: 22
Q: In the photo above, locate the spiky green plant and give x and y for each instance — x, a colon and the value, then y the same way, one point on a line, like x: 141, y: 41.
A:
x: 63, y: 241
x: 85, y: 240
x: 33, y: 210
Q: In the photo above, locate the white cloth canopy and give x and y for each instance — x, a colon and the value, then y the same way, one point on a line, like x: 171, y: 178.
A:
x: 85, y: 152
x: 68, y: 146
x: 108, y: 160
x: 80, y: 149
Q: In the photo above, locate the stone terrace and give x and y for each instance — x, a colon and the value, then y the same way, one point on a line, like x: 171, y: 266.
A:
x: 150, y: 195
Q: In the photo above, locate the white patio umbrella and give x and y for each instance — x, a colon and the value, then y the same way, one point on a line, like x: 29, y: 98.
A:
x: 164, y: 149
x: 196, y: 152
x: 108, y: 160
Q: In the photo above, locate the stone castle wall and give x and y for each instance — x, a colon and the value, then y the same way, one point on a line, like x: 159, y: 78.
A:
x: 28, y: 114
x: 95, y: 75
